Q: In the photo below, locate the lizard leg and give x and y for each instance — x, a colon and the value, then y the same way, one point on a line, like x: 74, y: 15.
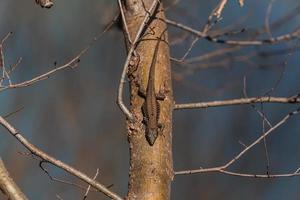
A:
x: 142, y: 92
x: 162, y: 92
x: 160, y: 96
x: 161, y: 127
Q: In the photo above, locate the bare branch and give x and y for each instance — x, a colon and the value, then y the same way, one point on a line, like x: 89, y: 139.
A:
x: 289, y: 100
x: 267, y: 18
x: 47, y: 158
x: 2, y: 64
x: 227, y: 172
x: 13, y: 112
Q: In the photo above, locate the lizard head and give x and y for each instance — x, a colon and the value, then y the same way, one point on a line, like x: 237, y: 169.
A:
x: 151, y: 135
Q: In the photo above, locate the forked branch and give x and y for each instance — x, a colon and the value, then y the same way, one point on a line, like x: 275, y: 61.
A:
x: 224, y: 168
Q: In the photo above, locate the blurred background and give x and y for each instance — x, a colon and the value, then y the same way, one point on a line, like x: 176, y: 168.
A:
x: 73, y: 115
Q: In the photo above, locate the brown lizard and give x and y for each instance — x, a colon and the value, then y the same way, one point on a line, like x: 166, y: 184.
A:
x: 151, y: 107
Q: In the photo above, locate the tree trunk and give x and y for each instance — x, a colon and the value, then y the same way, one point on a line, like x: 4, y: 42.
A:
x: 151, y: 166
x: 8, y: 186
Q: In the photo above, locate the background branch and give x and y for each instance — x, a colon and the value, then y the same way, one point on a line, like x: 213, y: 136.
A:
x: 223, y: 168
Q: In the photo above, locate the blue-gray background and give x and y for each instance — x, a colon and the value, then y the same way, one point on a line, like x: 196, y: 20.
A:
x: 73, y: 115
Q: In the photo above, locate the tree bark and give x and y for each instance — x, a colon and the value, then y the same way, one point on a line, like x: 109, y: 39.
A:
x: 8, y: 186
x: 151, y: 167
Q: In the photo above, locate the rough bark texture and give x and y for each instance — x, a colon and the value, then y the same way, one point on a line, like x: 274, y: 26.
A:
x: 151, y: 167
x: 8, y: 186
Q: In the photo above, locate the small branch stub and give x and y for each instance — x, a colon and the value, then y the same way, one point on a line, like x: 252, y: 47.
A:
x: 44, y: 3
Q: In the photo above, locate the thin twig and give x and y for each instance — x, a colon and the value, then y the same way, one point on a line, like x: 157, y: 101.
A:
x: 52, y: 178
x: 238, y: 156
x: 6, y: 37
x: 265, y: 142
x: 59, y: 197
x: 205, y: 30
x: 267, y: 18
x: 89, y: 187
x: 264, y: 121
x: 124, y: 21
x: 11, y: 69
x: 242, y: 101
x: 2, y: 63
x: 13, y: 113
x: 218, y: 10
x: 261, y: 114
